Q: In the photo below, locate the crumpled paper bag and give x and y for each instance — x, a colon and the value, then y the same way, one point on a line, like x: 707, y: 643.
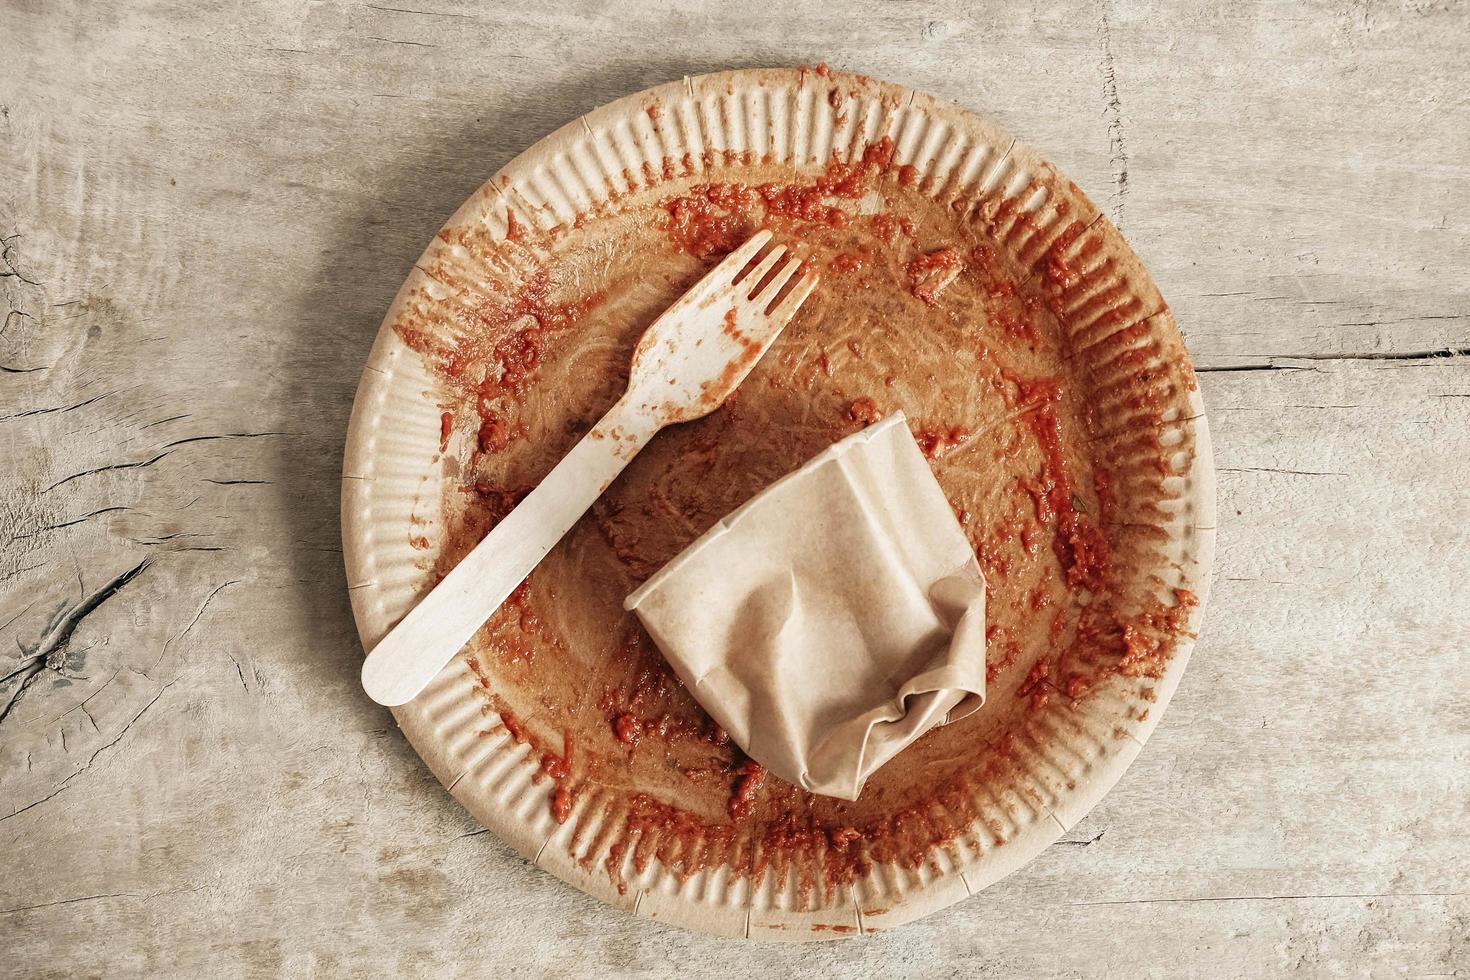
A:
x: 833, y: 618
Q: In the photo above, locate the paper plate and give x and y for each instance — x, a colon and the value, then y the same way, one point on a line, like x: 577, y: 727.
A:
x: 1063, y: 754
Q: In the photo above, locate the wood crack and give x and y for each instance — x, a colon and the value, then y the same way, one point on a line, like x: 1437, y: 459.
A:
x: 167, y: 448
x: 49, y: 651
x: 7, y: 256
x: 197, y: 616
x: 93, y: 758
x: 57, y: 527
x: 1414, y: 355
x: 1272, y: 469
x: 419, y: 13
x: 14, y: 313
x: 471, y: 833
x: 1113, y: 113
x: 1234, y: 368
x: 1271, y: 359
x: 56, y: 409
x: 1266, y: 898
x: 1407, y: 319
x: 394, y: 40
x: 67, y: 901
x: 171, y: 418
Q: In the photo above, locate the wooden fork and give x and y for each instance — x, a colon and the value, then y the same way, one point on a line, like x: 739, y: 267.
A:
x: 687, y: 363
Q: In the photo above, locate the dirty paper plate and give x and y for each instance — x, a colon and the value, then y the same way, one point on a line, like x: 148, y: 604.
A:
x: 965, y: 282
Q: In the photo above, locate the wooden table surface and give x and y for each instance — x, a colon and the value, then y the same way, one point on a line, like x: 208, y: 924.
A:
x: 206, y: 208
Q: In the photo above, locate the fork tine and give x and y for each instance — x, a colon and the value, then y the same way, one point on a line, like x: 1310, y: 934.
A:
x: 736, y: 260
x: 773, y: 288
x: 795, y: 298
x: 750, y: 282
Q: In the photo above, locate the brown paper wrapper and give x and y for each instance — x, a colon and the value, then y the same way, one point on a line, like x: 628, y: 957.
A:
x: 831, y: 620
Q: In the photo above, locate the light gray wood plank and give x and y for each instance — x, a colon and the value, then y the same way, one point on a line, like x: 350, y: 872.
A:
x: 205, y: 210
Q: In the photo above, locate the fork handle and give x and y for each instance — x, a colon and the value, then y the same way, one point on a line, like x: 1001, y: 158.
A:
x: 414, y: 651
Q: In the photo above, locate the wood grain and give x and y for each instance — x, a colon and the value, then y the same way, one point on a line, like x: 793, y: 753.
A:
x: 204, y: 211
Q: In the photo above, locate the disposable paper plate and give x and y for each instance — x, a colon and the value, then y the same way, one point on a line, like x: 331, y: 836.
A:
x: 1064, y: 750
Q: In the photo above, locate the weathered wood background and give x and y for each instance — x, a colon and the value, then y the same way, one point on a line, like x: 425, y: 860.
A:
x: 205, y: 209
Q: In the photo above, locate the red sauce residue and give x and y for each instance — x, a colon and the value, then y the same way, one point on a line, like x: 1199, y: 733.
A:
x: 935, y: 441
x: 496, y: 433
x: 627, y: 728
x: 1008, y: 308
x: 1016, y: 327
x: 478, y: 669
x: 1001, y: 652
x: 420, y: 542
x: 855, y: 178
x: 517, y: 644
x: 929, y: 273
x: 888, y: 227
x: 648, y: 819
x: 1034, y: 683
x: 446, y: 427
x: 646, y: 706
x: 1102, y: 485
x: 714, y: 392
x: 559, y: 768
x: 752, y: 778
x: 851, y: 262
x: 1059, y: 274
x: 519, y: 354
x: 712, y: 219
x: 1081, y: 547
x: 824, y: 362
x: 1145, y: 652
x: 506, y: 338
x: 561, y: 804
x: 1002, y: 289
x: 497, y: 502
x: 514, y: 230
x: 864, y: 411
x: 1058, y: 626
x: 513, y: 725
x: 803, y: 203
x: 908, y: 175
